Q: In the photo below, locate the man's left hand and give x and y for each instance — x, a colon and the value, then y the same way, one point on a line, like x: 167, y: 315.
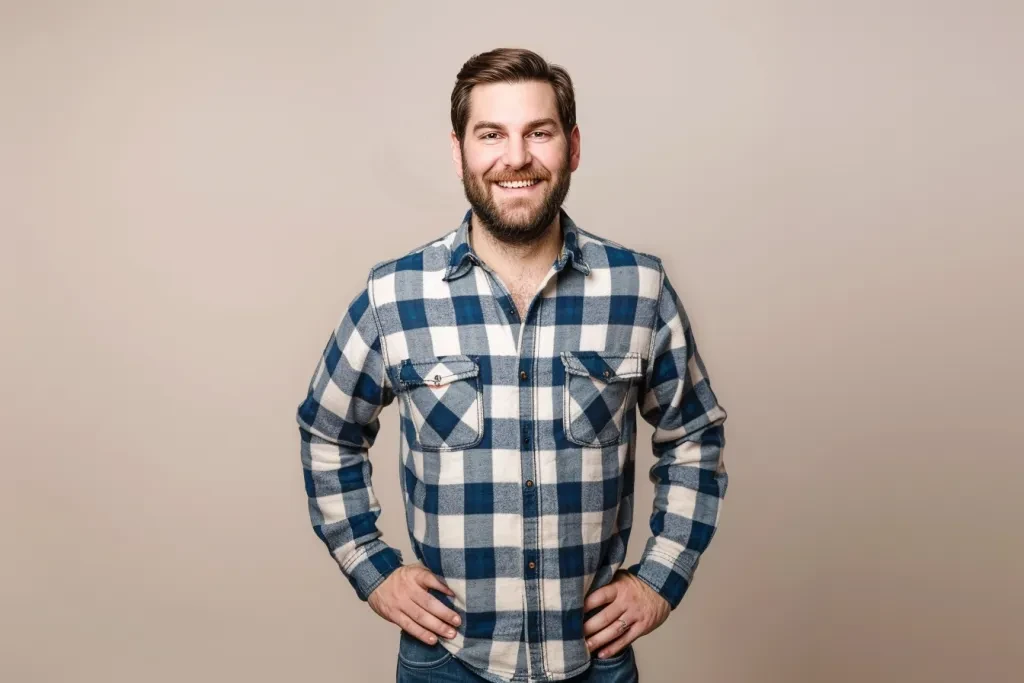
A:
x: 633, y: 609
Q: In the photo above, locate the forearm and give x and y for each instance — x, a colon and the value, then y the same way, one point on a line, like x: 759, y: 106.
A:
x: 344, y: 510
x: 338, y: 422
x: 690, y: 484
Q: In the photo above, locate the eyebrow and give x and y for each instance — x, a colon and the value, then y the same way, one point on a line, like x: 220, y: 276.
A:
x: 532, y: 124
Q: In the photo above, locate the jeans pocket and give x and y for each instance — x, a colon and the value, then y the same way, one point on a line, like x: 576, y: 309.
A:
x: 415, y: 654
x: 618, y: 659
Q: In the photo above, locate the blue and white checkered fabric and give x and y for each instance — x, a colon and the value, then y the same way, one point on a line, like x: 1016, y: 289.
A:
x: 517, y: 440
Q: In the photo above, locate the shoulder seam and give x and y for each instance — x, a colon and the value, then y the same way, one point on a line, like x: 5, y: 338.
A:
x: 605, y: 240
x: 371, y: 277
x: 386, y: 379
x: 654, y: 329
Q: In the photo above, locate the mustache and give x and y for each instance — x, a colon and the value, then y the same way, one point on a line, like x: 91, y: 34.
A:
x: 510, y: 178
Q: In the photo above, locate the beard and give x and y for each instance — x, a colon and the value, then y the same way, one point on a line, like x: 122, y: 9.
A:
x: 503, y: 225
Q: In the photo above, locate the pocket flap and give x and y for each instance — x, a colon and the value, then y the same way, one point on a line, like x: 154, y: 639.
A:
x: 438, y: 371
x: 603, y: 366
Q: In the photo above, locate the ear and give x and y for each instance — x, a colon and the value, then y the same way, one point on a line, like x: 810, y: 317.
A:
x: 456, y: 154
x: 574, y: 148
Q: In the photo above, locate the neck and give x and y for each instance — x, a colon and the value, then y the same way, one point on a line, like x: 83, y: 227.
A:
x: 537, y: 255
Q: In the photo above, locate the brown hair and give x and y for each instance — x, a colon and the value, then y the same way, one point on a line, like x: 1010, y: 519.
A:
x: 511, y: 65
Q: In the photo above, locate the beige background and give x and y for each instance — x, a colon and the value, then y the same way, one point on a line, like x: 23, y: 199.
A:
x: 192, y: 192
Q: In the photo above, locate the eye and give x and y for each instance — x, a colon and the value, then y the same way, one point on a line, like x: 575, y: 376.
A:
x: 541, y: 133
x: 487, y: 136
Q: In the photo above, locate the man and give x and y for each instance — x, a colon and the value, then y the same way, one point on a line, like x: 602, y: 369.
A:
x: 519, y: 347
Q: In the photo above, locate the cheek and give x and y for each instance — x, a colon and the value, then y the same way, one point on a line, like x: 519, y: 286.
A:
x: 480, y: 162
x: 552, y: 157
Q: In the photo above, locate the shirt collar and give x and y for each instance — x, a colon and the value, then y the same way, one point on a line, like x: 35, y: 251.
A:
x: 462, y: 256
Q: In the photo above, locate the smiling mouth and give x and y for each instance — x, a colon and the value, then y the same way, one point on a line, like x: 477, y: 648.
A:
x: 517, y: 184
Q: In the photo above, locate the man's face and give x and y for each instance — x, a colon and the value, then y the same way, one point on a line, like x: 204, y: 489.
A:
x: 515, y: 161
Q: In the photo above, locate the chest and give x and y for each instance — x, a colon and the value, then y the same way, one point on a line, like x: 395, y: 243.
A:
x: 523, y: 287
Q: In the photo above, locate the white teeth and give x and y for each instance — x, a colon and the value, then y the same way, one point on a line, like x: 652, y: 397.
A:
x: 519, y: 183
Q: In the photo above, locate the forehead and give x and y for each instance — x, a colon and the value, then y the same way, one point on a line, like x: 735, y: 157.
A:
x: 512, y: 104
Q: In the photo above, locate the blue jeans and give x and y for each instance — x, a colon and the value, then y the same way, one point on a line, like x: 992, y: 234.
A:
x: 422, y: 663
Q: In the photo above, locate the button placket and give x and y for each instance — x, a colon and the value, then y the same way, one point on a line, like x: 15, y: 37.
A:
x: 533, y: 601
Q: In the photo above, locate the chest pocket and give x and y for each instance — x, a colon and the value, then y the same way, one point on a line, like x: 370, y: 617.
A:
x: 444, y: 400
x: 596, y: 393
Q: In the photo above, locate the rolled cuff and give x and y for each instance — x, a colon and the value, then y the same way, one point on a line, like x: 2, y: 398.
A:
x: 664, y: 577
x: 377, y: 563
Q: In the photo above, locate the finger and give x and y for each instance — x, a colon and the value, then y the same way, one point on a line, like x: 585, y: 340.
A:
x: 609, y: 633
x: 414, y: 629
x: 431, y: 623
x: 427, y: 620
x: 606, y: 616
x: 620, y: 643
x: 429, y: 579
x: 605, y: 637
x: 601, y: 596
x: 436, y: 607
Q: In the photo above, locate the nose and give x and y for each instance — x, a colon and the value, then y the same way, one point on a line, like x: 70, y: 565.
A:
x: 517, y: 154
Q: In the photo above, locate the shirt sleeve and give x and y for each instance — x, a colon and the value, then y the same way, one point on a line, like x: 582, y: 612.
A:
x: 338, y: 422
x: 689, y: 475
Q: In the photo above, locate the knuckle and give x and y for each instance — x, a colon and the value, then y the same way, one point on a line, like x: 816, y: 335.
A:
x: 439, y: 611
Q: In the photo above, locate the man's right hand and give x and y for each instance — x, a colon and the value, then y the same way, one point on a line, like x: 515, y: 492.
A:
x: 402, y: 599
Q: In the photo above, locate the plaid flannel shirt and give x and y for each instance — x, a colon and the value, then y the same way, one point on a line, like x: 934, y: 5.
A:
x: 517, y: 440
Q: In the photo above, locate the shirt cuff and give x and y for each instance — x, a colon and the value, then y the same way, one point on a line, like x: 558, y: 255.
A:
x: 669, y: 582
x: 377, y: 564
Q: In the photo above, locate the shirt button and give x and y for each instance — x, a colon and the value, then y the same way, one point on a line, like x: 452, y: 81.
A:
x: 523, y: 376
x: 529, y: 483
x: 532, y: 565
